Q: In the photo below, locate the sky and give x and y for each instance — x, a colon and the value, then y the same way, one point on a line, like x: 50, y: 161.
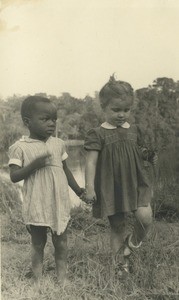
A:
x: 56, y: 46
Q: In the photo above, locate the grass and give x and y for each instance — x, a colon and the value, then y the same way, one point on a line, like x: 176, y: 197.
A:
x: 154, y: 267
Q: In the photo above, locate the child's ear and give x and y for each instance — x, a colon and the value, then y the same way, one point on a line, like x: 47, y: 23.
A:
x: 26, y: 121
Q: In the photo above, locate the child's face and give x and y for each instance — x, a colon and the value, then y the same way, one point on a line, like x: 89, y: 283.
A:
x: 117, y: 111
x: 42, y: 123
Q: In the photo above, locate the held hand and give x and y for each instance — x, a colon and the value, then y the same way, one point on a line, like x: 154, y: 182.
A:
x: 41, y: 161
x: 83, y: 197
x: 90, y: 196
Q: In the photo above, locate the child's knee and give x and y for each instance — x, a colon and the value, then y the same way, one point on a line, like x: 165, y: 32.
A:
x: 39, y: 245
x: 144, y: 215
x: 38, y: 238
x: 60, y: 241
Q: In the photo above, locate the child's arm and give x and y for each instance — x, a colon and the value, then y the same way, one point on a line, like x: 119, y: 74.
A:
x: 90, y: 171
x: 71, y: 180
x: 20, y: 173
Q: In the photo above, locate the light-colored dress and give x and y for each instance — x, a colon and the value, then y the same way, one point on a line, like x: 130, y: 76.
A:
x: 46, y: 199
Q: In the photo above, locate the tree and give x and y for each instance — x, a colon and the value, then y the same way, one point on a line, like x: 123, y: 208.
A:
x: 156, y: 112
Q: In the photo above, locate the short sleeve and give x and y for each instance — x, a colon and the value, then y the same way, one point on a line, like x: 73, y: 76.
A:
x: 15, y: 154
x: 93, y: 140
x: 64, y: 153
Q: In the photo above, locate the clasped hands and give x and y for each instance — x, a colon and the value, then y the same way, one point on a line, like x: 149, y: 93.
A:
x: 89, y: 197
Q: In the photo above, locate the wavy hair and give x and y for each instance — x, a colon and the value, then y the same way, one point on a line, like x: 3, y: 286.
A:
x: 115, y: 89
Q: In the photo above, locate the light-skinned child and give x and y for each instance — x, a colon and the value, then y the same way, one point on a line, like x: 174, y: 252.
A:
x: 115, y: 175
x: 40, y: 160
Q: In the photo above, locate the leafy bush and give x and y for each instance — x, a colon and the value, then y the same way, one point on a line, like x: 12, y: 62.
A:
x: 11, y: 210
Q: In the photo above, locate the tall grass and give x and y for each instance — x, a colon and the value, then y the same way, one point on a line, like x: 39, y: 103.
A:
x: 154, y: 267
x: 166, y: 189
x: 91, y: 275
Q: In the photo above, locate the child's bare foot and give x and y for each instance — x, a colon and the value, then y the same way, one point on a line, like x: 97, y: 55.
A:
x: 121, y: 266
x: 64, y: 282
x: 61, y: 279
x: 35, y: 280
x: 61, y: 272
x: 37, y: 284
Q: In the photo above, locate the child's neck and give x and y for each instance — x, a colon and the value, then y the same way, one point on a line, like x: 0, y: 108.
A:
x: 34, y: 137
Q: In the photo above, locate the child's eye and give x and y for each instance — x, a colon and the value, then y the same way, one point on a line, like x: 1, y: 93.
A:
x: 47, y: 119
x: 115, y: 110
x: 127, y: 109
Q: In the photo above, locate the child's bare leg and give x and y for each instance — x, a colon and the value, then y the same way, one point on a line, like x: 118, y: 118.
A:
x: 60, y: 245
x: 143, y: 221
x: 38, y: 239
x: 118, y: 227
x: 118, y: 234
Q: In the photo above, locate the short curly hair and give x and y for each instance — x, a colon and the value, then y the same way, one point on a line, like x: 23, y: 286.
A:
x: 115, y: 89
x: 28, y: 105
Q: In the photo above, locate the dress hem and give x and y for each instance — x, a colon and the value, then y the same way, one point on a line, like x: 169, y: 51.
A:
x: 97, y: 215
x: 47, y: 225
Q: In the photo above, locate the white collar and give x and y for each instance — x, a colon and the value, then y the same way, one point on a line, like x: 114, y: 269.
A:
x: 27, y: 139
x: 107, y: 125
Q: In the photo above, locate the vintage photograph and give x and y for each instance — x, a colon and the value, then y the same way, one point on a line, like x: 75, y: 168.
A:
x: 89, y: 143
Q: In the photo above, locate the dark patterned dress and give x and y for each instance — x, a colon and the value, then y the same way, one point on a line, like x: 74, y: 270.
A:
x: 121, y: 180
